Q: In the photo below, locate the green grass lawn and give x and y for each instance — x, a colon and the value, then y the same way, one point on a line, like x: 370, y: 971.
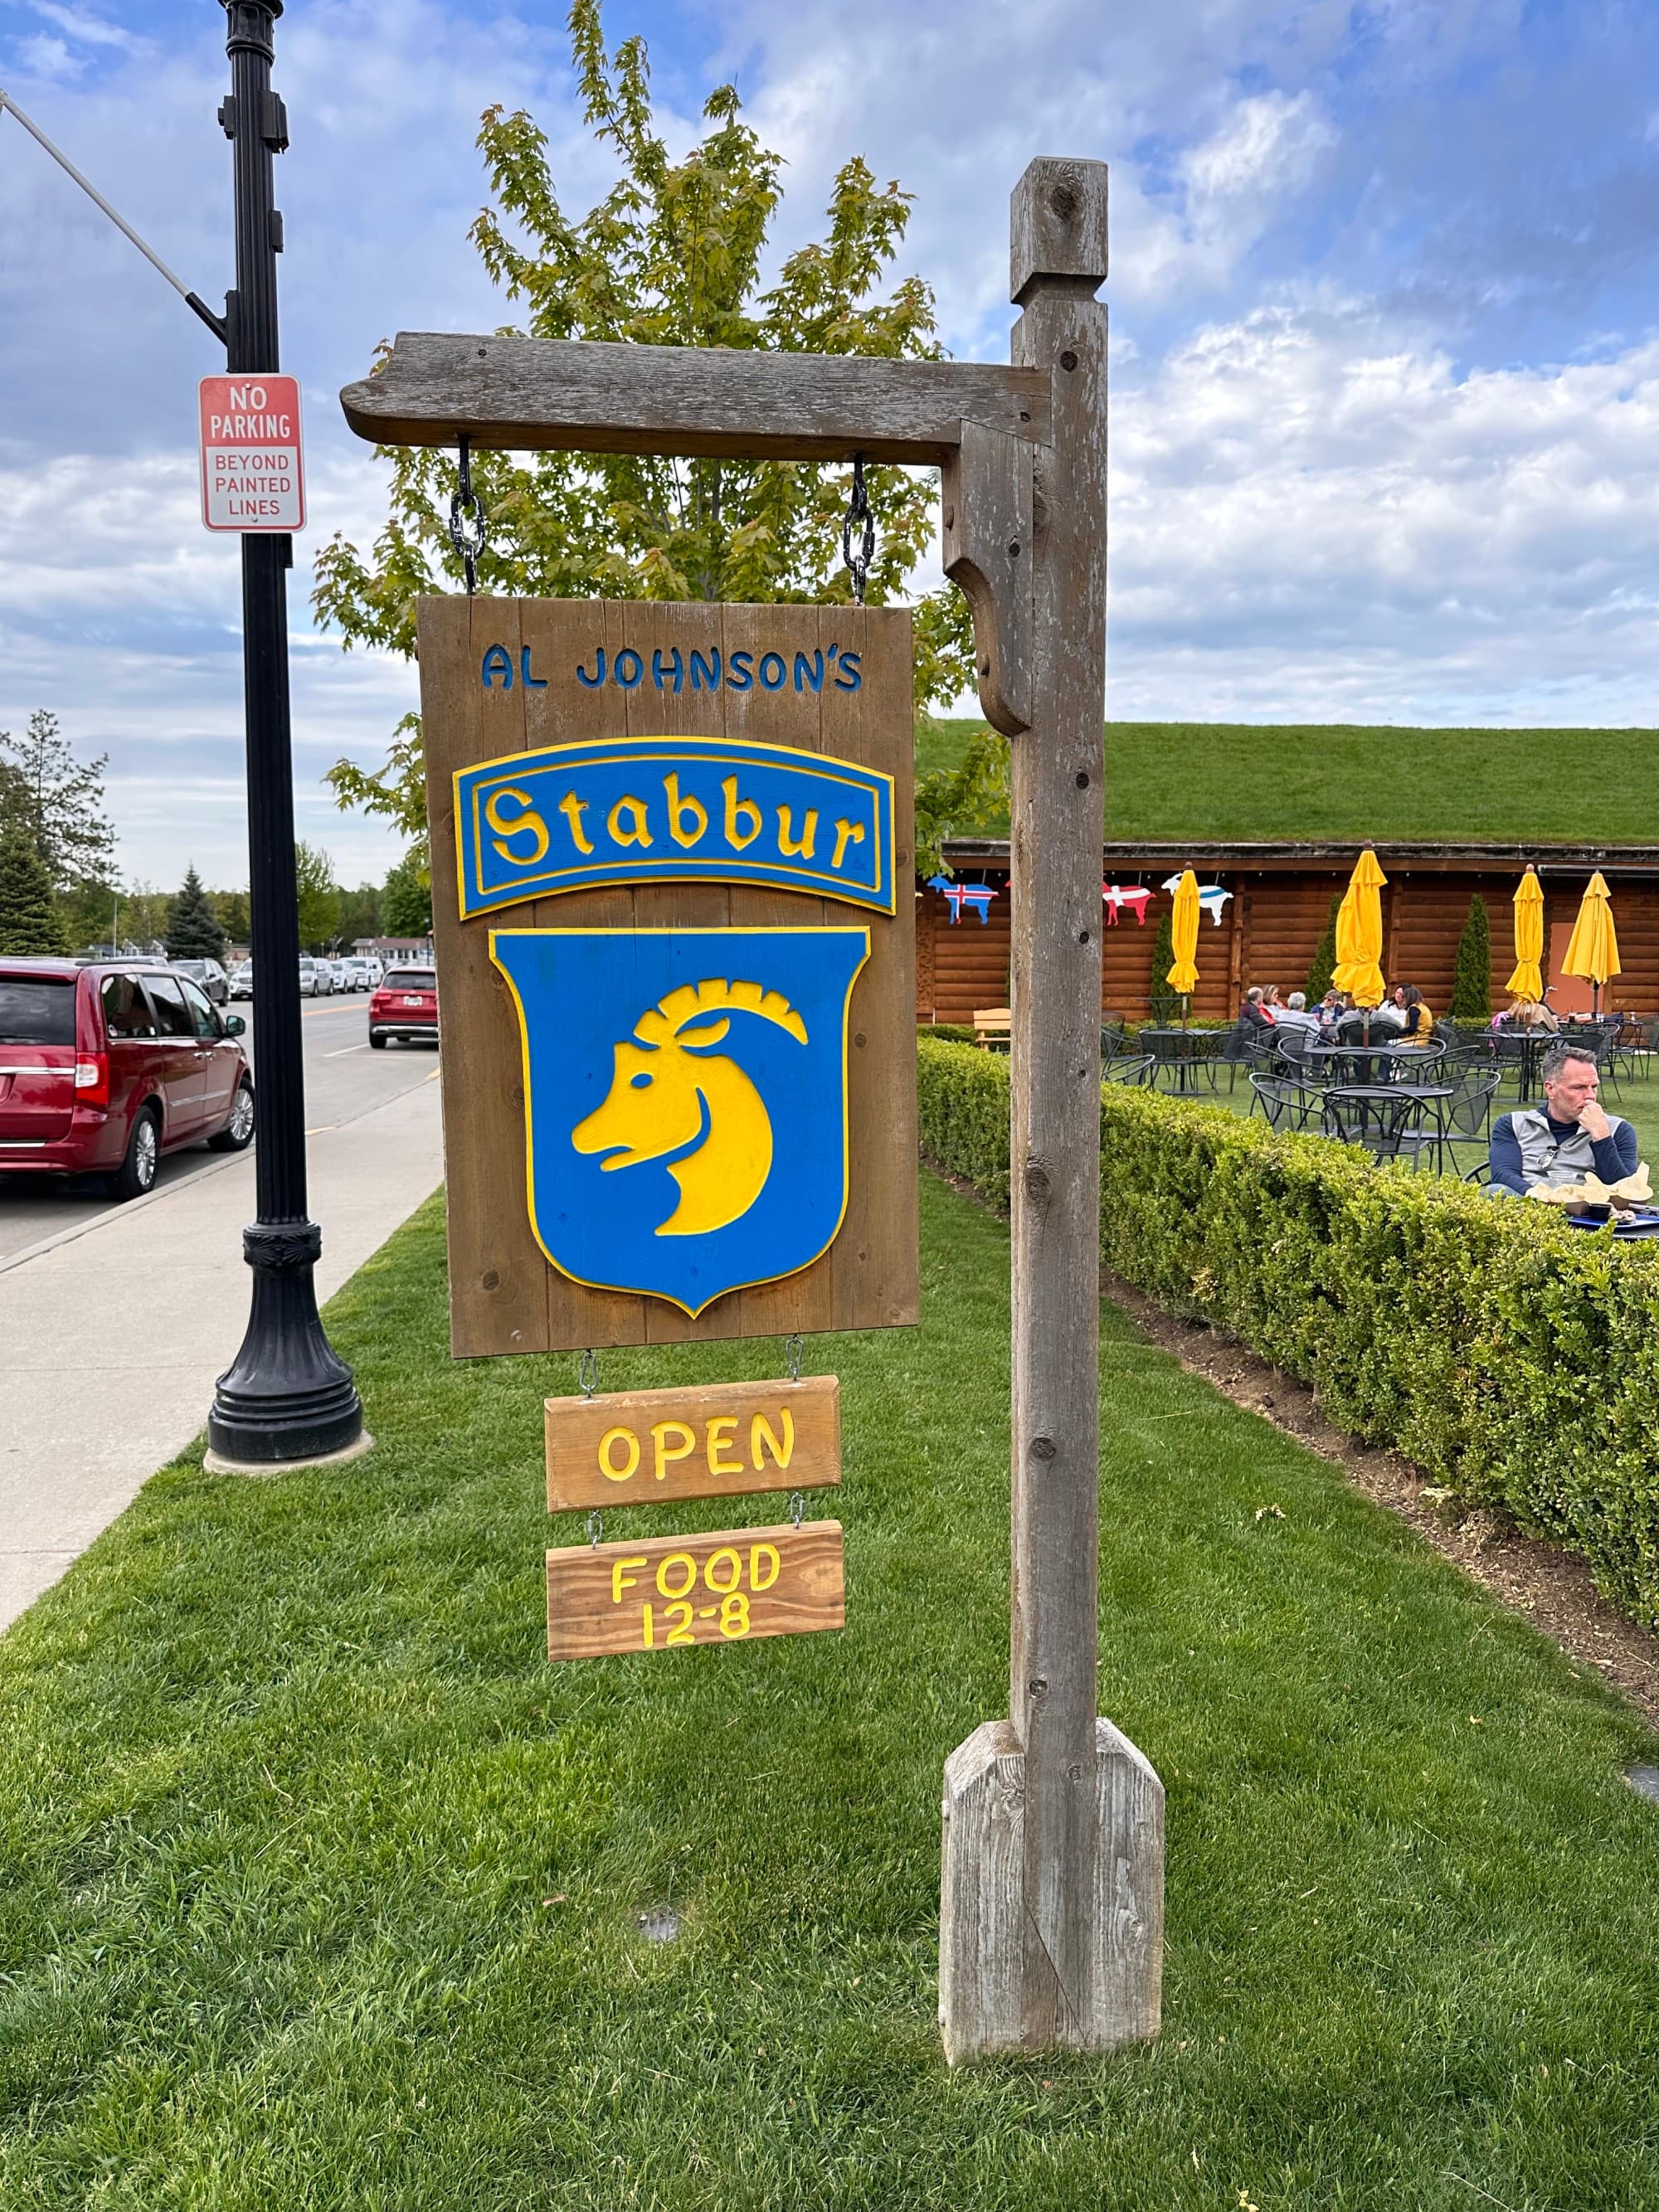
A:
x: 319, y: 1888
x: 1171, y: 781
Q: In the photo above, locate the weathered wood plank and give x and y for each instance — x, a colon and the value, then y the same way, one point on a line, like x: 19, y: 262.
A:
x: 1055, y: 989
x: 988, y: 525
x: 702, y: 1440
x: 729, y: 1586
x: 1057, y: 221
x: 568, y: 395
x: 982, y: 1918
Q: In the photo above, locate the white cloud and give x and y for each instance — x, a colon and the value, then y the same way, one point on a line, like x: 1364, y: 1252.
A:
x: 1312, y: 523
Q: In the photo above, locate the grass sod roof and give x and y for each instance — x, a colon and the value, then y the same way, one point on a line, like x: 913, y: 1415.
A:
x: 1247, y: 781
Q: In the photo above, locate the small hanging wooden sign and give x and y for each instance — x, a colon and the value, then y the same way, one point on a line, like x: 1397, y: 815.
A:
x: 708, y: 1440
x: 727, y: 1587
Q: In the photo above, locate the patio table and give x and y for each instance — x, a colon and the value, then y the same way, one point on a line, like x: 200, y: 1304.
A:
x: 1365, y: 1058
x: 1387, y: 1108
x: 1186, y: 1051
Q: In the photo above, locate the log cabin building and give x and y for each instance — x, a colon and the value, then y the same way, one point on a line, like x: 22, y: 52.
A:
x: 1279, y: 905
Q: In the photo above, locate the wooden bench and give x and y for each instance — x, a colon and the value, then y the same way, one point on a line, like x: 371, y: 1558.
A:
x: 992, y: 1026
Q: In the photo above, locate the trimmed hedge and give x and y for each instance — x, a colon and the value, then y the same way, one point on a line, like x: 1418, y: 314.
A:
x: 1512, y: 1358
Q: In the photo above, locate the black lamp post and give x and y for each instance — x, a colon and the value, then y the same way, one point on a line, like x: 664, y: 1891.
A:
x: 286, y: 1395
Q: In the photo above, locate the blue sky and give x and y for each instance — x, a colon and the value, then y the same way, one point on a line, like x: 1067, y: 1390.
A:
x: 1386, y: 339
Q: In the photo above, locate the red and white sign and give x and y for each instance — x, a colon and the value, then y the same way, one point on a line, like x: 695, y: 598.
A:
x: 252, y: 473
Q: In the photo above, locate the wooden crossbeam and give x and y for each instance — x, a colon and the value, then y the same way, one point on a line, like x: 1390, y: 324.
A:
x: 557, y: 394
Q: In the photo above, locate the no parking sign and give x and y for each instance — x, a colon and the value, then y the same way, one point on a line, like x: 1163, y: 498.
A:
x: 252, y: 468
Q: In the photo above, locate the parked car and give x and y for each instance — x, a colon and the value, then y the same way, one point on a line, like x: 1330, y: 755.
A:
x: 341, y: 972
x: 364, y: 974
x: 105, y: 1067
x: 241, y: 980
x: 405, y: 1005
x: 316, y: 980
x: 210, y: 975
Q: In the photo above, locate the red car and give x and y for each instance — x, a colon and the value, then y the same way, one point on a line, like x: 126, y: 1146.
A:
x: 405, y: 1004
x: 104, y: 1066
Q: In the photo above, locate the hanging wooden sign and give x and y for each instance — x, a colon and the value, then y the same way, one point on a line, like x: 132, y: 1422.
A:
x: 673, y: 905
x: 729, y: 1587
x: 708, y: 1440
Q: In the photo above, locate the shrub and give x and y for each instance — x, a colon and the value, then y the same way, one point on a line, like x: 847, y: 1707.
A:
x: 1512, y: 1357
x: 1471, y: 998
x: 950, y: 1032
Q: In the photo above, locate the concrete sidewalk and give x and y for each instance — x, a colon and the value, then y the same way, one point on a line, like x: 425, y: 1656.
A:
x: 112, y: 1332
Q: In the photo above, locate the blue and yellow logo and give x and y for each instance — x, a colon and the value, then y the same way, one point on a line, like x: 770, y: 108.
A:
x: 672, y: 810
x: 685, y: 1101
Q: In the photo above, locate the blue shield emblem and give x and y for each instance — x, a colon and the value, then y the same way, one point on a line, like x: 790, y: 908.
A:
x: 685, y: 1101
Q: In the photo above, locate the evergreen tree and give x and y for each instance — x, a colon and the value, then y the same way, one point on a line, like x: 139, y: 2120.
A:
x: 1324, y: 958
x: 29, y: 917
x: 1165, y: 1000
x: 1471, y: 998
x: 192, y: 929
x: 61, y: 799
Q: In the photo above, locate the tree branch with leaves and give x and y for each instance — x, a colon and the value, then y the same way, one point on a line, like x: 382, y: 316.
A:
x: 674, y: 255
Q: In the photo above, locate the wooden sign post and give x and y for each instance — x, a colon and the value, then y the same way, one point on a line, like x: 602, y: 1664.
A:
x: 1051, y: 1931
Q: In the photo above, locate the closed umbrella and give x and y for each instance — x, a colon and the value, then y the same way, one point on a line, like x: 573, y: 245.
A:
x: 1528, y: 981
x: 1593, y: 953
x: 1359, y: 970
x: 1183, y: 932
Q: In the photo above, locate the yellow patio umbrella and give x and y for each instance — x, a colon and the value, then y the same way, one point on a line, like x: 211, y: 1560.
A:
x: 1593, y: 953
x: 1359, y: 970
x: 1528, y: 981
x: 1183, y: 931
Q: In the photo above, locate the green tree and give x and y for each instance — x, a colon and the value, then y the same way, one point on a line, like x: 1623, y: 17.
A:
x: 1165, y: 1002
x: 193, y: 932
x: 675, y: 254
x: 234, y: 914
x: 360, y: 913
x: 28, y: 916
x: 1471, y: 998
x: 406, y: 899
x: 1324, y: 958
x: 62, y: 801
x: 319, y: 897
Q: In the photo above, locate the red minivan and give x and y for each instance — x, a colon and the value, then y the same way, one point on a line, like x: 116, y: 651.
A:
x: 405, y: 1004
x: 104, y: 1066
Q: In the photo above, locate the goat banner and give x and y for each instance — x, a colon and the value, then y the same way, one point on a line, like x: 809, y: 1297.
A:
x: 673, y: 909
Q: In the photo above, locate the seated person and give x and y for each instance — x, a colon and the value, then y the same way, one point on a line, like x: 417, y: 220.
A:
x: 1526, y: 1014
x: 1567, y: 1137
x: 1255, y: 1014
x: 1294, y: 1015
x: 1380, y: 1024
x: 1331, y: 1009
x: 1419, y: 1016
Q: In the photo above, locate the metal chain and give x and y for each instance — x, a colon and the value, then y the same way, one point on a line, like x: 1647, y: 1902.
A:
x: 595, y: 1528
x: 791, y: 1353
x: 858, y: 511
x: 587, y: 1373
x: 469, y: 529
x: 797, y: 1507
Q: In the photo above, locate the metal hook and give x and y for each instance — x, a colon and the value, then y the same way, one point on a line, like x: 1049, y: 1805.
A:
x: 858, y: 511
x: 797, y: 1507
x: 595, y: 1523
x: 469, y: 530
x: 587, y: 1373
x: 791, y: 1353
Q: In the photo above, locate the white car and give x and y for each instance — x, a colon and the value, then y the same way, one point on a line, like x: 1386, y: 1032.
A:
x: 315, y: 979
x: 364, y: 974
x: 341, y: 972
x: 241, y: 980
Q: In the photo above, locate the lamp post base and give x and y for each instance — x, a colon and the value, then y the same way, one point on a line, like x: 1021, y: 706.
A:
x: 287, y: 1397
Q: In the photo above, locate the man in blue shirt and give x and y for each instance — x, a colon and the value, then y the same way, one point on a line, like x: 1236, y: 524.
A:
x: 1566, y: 1138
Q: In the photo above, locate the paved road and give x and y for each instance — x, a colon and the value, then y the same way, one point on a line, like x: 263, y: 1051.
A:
x: 115, y: 1320
x: 343, y: 1079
